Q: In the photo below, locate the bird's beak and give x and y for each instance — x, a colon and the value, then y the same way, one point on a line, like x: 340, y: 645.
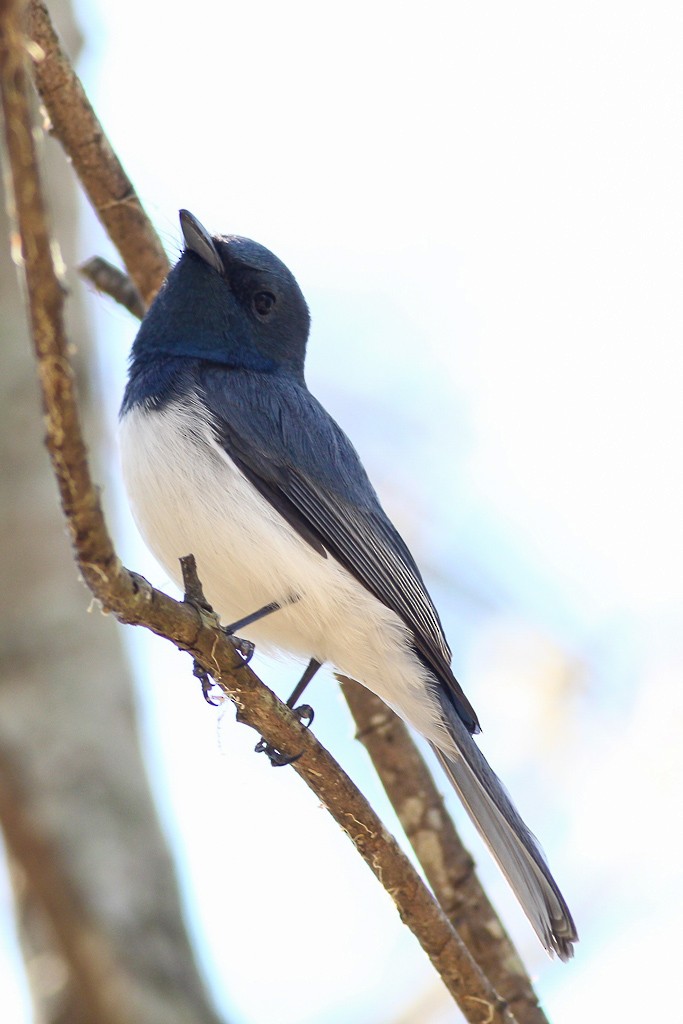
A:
x: 198, y: 239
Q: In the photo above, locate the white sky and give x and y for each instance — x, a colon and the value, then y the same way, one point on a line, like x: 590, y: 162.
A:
x: 482, y: 204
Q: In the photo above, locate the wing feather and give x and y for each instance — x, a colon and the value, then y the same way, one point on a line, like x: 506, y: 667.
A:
x: 305, y: 466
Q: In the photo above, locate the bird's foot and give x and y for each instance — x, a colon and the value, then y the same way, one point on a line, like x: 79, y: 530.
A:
x: 211, y: 691
x: 305, y: 714
x: 245, y: 648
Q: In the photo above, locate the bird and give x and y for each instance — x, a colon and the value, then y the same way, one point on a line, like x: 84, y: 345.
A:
x: 226, y: 454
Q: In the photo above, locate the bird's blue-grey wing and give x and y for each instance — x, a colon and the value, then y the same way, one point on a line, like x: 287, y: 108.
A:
x: 304, y: 465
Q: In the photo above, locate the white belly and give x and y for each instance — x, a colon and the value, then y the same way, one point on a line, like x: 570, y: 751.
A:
x: 188, y: 496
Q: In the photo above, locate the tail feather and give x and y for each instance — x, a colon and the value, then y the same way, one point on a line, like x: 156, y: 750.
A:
x: 510, y: 841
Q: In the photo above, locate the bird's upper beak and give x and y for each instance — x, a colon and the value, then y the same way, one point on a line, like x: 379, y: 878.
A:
x: 198, y: 239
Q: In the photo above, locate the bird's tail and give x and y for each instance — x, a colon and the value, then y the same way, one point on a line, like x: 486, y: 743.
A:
x: 510, y: 841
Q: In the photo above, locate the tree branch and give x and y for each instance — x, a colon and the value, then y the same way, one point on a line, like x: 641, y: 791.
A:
x: 133, y: 600
x: 448, y: 866
x: 109, y: 280
x: 106, y: 183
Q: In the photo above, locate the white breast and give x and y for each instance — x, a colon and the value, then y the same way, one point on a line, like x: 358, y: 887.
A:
x: 188, y: 496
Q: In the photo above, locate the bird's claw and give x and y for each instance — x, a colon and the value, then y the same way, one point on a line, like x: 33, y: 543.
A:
x: 305, y: 714
x: 211, y: 691
x: 245, y: 648
x: 276, y: 758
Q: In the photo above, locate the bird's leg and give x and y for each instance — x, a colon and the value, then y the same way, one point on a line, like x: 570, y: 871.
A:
x: 308, y: 674
x: 194, y: 594
x: 245, y: 647
x: 304, y: 713
x: 267, y: 609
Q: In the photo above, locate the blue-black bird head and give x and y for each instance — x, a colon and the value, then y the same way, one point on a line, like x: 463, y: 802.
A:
x: 228, y: 300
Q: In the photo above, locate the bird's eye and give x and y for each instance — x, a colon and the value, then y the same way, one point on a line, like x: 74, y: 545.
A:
x: 263, y: 303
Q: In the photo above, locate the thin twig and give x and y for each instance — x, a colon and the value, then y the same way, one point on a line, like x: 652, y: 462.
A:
x: 448, y: 866
x: 109, y: 280
x: 108, y: 187
x: 133, y: 600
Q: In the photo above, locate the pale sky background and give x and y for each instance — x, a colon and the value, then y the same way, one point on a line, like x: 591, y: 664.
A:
x: 482, y: 204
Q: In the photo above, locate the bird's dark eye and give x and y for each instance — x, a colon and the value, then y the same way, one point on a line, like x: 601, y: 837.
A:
x: 263, y: 303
